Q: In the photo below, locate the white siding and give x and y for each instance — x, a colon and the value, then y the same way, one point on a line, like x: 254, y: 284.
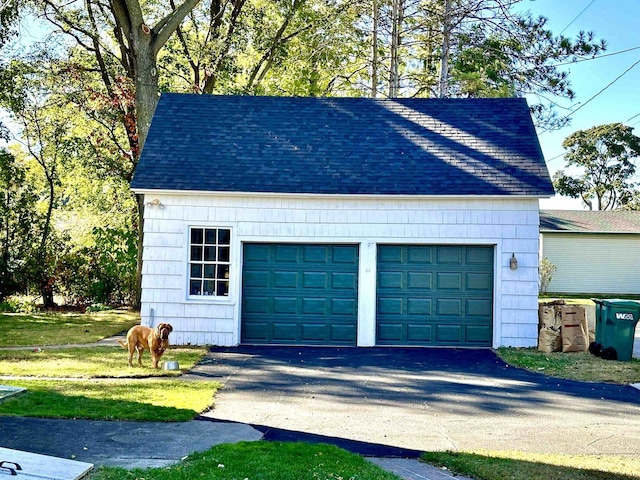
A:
x: 510, y: 225
x: 593, y: 263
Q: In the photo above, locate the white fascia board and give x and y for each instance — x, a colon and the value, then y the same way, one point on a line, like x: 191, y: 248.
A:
x: 146, y: 191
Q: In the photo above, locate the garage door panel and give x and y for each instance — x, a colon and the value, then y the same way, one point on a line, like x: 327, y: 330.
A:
x: 345, y: 254
x: 419, y: 306
x: 480, y: 334
x: 479, y: 281
x: 315, y: 254
x: 420, y: 255
x: 449, y: 307
x: 478, y: 308
x: 449, y: 281
x: 435, y: 295
x: 342, y: 334
x: 390, y: 333
x: 256, y: 332
x: 285, y: 279
x: 390, y: 280
x: 419, y: 280
x: 259, y: 254
x: 344, y: 280
x: 256, y: 278
x: 479, y: 256
x: 448, y: 334
x: 284, y: 332
x: 390, y: 254
x: 285, y: 305
x: 390, y: 306
x: 285, y: 253
x: 343, y: 306
x: 314, y: 306
x: 299, y: 294
x: 450, y: 255
x: 312, y: 332
x: 419, y: 333
x: 256, y: 305
x: 315, y: 279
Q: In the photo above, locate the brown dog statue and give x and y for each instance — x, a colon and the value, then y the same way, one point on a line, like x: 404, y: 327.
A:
x: 141, y: 338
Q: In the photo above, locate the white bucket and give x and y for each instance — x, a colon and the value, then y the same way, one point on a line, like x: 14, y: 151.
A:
x: 170, y: 366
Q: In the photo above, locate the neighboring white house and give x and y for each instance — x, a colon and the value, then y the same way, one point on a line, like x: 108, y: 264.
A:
x: 594, y: 252
x: 342, y: 221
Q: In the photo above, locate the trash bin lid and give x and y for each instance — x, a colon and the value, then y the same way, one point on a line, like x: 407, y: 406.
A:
x: 618, y: 302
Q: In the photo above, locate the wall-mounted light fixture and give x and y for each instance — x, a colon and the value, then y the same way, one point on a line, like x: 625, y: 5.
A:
x: 154, y: 203
x: 513, y: 262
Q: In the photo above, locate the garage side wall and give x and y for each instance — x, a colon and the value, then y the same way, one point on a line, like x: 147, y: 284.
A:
x: 510, y: 226
x: 593, y: 263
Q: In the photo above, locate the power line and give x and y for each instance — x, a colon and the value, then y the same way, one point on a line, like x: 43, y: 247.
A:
x: 598, y: 57
x: 597, y: 94
x: 577, y: 16
x: 607, y: 86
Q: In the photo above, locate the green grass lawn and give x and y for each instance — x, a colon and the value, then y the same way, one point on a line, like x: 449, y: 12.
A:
x: 94, y: 362
x: 151, y: 400
x: 574, y: 366
x: 260, y: 460
x: 54, y: 328
x: 526, y: 466
x: 108, y: 389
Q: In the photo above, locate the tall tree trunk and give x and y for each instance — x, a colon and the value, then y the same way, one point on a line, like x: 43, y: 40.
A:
x: 374, y: 50
x: 444, y: 59
x: 394, y: 81
x: 46, y: 281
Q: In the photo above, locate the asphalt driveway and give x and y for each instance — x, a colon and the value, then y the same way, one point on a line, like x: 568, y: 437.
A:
x: 419, y: 399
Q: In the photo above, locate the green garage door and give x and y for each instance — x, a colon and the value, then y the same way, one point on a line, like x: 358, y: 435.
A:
x: 434, y: 295
x: 299, y: 294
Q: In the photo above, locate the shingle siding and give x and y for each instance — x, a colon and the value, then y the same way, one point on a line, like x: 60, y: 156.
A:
x: 343, y: 146
x: 365, y: 222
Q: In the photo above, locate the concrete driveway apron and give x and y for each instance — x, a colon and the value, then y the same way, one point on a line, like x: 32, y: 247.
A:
x: 419, y: 399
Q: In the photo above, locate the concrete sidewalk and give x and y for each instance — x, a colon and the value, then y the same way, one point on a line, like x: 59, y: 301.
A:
x: 150, y: 445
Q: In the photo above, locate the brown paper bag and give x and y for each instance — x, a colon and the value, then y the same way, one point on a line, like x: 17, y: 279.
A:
x: 548, y: 317
x: 549, y: 340
x: 574, y: 336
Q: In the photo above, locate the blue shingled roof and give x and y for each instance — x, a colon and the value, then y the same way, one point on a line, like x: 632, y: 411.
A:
x: 343, y: 146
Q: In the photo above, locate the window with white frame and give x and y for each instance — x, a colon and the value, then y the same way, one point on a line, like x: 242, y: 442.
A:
x: 209, y: 261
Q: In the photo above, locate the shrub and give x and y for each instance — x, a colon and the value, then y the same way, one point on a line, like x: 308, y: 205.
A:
x: 546, y: 271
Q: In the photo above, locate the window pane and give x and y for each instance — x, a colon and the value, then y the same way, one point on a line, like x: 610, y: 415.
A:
x: 209, y: 271
x: 224, y: 236
x: 209, y: 254
x: 223, y: 288
x: 223, y: 254
x: 196, y: 270
x: 196, y: 235
x: 209, y: 287
x: 194, y: 287
x: 196, y: 253
x: 223, y: 272
x: 210, y: 236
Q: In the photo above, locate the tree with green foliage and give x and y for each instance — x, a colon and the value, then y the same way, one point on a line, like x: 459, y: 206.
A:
x: 473, y: 48
x: 19, y: 221
x: 113, y: 58
x: 605, y: 159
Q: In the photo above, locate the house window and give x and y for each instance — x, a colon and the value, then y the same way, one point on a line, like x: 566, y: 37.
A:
x: 209, y: 261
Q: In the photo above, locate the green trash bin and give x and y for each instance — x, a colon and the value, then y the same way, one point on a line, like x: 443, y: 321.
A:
x: 615, y: 328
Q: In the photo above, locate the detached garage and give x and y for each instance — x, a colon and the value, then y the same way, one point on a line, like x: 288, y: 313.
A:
x: 342, y: 221
x: 594, y: 252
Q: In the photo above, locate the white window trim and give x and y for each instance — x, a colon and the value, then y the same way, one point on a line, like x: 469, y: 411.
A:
x: 233, y: 266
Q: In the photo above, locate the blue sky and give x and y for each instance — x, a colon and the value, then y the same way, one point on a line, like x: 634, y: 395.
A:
x: 617, y: 22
